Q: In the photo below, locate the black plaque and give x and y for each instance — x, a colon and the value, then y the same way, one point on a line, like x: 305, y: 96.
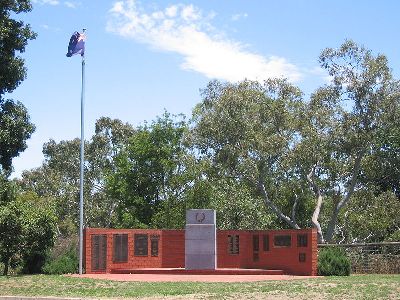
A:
x: 154, y: 238
x: 256, y: 243
x: 99, y: 252
x: 120, y: 253
x: 282, y: 241
x: 141, y: 245
x: 266, y: 242
x: 302, y: 240
x: 233, y: 244
x: 302, y: 257
x: 256, y: 247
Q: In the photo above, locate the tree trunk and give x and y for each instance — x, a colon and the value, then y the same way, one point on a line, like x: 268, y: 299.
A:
x: 274, y: 208
x: 332, y: 223
x: 315, y: 221
x: 317, y: 210
x: 6, y: 262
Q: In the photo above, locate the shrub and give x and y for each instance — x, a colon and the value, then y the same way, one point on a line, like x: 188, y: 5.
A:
x: 333, y: 262
x: 64, y: 263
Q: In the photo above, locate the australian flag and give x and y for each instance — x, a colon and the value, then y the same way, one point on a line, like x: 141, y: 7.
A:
x: 76, y: 44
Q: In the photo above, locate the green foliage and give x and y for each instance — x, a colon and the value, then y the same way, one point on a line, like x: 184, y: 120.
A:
x: 58, y: 177
x: 39, y: 222
x: 238, y: 209
x: 382, y: 166
x: 63, y: 259
x: 27, y: 231
x: 148, y: 171
x: 362, y: 100
x: 258, y: 153
x: 332, y: 261
x: 14, y: 36
x: 370, y: 218
x: 11, y: 233
x: 248, y: 131
x: 15, y: 129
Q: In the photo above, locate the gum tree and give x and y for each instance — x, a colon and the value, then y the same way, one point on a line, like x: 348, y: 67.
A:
x: 342, y: 131
x: 248, y: 130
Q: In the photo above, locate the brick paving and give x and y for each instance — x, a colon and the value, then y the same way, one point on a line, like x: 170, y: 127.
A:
x: 188, y: 278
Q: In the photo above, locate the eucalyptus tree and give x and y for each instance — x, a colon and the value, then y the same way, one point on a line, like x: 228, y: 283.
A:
x: 58, y: 177
x: 370, y: 217
x: 345, y: 120
x: 382, y: 166
x: 249, y: 130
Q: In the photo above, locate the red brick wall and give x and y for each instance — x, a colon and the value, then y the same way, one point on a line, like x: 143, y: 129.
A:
x: 171, y: 253
x: 133, y: 261
x: 173, y: 249
x: 280, y: 258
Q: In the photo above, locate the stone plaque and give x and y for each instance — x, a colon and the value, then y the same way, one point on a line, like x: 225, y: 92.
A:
x: 200, y: 216
x: 141, y: 242
x: 200, y: 239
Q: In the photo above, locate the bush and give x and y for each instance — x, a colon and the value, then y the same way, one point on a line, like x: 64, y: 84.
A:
x: 65, y: 263
x: 333, y: 262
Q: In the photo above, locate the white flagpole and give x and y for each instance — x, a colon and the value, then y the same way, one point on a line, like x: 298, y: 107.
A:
x: 82, y: 165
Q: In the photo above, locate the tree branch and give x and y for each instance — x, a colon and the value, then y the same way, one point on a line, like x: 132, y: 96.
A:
x: 353, y: 181
x: 274, y: 208
x: 332, y: 223
x: 294, y: 207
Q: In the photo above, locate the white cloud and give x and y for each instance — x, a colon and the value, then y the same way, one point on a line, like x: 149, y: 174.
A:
x: 185, y: 30
x: 69, y: 4
x: 44, y: 2
x: 237, y: 17
x: 318, y: 72
x: 50, y: 28
x: 171, y: 11
x: 190, y: 13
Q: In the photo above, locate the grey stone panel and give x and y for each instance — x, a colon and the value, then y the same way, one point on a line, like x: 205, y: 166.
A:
x: 204, y: 231
x: 200, y: 247
x: 200, y: 261
x: 200, y: 239
x: 200, y: 216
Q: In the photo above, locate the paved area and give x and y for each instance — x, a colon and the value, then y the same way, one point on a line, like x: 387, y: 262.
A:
x: 183, y: 277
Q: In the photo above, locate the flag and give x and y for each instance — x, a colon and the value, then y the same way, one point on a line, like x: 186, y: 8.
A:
x: 76, y: 44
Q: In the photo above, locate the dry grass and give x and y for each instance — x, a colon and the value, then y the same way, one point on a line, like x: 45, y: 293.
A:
x: 352, y: 287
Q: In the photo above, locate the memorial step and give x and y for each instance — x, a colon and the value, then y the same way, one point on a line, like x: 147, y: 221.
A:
x: 182, y: 271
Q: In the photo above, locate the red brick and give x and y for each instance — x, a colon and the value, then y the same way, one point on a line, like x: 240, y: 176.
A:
x: 172, y: 250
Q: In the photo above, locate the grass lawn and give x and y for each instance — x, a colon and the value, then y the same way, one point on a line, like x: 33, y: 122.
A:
x: 352, y: 287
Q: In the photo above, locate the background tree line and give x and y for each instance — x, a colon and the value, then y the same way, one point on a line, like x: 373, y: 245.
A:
x: 263, y: 155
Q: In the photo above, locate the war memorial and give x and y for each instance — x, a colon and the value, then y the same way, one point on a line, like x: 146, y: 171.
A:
x: 200, y: 249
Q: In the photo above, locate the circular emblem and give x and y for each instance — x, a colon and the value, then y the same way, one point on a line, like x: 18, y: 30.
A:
x: 200, y: 217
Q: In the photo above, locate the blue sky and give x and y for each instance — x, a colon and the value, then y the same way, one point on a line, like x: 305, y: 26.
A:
x: 146, y: 56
